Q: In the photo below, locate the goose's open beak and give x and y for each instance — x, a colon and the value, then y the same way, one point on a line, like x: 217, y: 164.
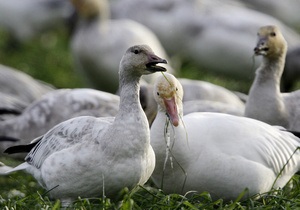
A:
x: 153, y: 60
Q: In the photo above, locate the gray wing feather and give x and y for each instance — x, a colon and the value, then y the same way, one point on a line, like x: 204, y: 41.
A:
x: 65, y: 135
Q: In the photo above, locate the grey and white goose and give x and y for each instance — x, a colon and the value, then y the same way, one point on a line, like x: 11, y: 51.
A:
x: 265, y: 101
x: 88, y: 156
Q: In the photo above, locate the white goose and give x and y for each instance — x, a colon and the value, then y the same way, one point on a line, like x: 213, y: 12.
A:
x: 88, y: 156
x: 98, y: 43
x: 265, y: 102
x: 53, y: 108
x: 219, y: 153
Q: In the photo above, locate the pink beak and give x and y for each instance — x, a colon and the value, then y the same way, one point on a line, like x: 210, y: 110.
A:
x: 172, y: 110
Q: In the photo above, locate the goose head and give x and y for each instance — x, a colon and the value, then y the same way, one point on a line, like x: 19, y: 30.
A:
x: 271, y: 43
x: 168, y: 94
x: 140, y: 60
x: 89, y: 9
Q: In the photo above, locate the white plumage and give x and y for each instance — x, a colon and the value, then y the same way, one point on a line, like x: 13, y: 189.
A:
x: 202, y: 90
x: 211, y: 106
x: 219, y: 153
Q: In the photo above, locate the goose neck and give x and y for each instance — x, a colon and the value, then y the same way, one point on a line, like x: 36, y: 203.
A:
x: 129, y: 95
x: 270, y: 70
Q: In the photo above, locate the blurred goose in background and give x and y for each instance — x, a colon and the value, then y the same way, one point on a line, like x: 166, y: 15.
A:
x: 291, y: 73
x: 10, y: 106
x: 212, y: 106
x: 286, y: 11
x: 211, y: 34
x: 53, y: 108
x: 169, y: 19
x: 202, y: 90
x: 21, y: 85
x: 265, y: 101
x: 217, y: 153
x: 27, y: 19
x: 98, y: 43
x: 88, y: 156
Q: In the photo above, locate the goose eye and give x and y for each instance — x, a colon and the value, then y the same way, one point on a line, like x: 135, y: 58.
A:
x: 136, y: 51
x: 273, y: 34
x: 176, y: 89
x: 157, y: 93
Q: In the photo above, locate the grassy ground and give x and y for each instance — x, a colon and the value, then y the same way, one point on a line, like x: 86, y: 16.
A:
x: 48, y: 59
x: 22, y: 192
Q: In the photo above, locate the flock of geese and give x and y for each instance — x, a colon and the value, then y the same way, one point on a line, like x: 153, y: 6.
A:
x: 185, y: 135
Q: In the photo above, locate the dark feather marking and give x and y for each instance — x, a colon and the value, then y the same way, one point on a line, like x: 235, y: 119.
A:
x: 9, y: 111
x: 7, y: 138
x: 21, y: 148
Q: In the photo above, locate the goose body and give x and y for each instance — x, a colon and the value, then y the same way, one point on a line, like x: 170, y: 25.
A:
x: 211, y: 106
x: 202, y: 90
x: 218, y: 153
x: 98, y: 43
x: 88, y: 156
x: 265, y: 101
x: 53, y: 108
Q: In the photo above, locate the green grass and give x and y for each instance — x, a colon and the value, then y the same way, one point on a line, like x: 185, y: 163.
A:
x: 144, y: 198
x: 48, y: 59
